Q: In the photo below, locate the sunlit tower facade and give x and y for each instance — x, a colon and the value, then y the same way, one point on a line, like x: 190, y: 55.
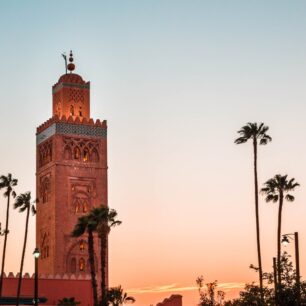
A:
x: 71, y: 176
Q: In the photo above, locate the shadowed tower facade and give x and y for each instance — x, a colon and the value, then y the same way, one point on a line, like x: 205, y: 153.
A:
x: 71, y: 175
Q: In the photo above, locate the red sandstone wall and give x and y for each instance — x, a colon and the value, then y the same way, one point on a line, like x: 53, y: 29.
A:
x: 173, y: 300
x: 53, y: 289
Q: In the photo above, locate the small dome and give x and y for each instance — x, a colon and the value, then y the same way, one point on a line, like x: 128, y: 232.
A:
x: 71, y: 78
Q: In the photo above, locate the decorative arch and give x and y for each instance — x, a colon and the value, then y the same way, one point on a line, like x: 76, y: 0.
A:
x: 77, y: 260
x: 81, y: 201
x: 45, y: 189
x: 95, y: 155
x: 86, y: 155
x: 82, y: 265
x: 71, y: 110
x: 77, y: 153
x: 67, y: 152
x: 45, y: 153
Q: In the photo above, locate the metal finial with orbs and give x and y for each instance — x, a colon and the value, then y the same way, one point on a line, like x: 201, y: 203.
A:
x: 71, y: 65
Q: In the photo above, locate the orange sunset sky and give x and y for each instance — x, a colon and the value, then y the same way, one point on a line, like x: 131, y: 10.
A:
x: 175, y: 80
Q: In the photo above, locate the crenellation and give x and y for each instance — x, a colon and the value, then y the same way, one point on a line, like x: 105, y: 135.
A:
x: 77, y: 120
x: 50, y: 276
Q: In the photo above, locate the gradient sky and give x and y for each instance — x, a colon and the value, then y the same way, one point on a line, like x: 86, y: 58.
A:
x: 175, y: 80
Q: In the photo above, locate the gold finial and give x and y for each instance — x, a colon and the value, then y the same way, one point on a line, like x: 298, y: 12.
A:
x: 71, y: 65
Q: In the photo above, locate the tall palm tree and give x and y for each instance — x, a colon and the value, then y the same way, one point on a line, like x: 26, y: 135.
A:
x: 257, y: 133
x: 7, y: 183
x: 23, y: 202
x: 87, y: 225
x: 276, y: 189
x: 116, y: 296
x: 105, y: 218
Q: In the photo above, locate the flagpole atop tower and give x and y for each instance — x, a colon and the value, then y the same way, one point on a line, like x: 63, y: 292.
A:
x: 65, y: 59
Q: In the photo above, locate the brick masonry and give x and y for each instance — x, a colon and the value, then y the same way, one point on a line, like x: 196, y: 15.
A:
x: 71, y: 177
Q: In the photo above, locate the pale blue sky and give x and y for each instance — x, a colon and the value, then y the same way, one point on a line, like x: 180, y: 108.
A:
x: 175, y: 80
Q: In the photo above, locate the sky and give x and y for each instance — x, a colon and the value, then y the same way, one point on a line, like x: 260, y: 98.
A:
x: 175, y: 80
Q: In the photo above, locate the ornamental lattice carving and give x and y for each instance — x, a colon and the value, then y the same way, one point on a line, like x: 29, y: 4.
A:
x: 79, y: 149
x: 81, y: 197
x: 45, y: 153
x: 77, y: 258
x: 45, y: 188
x: 76, y: 95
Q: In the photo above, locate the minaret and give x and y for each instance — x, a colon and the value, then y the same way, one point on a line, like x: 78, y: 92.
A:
x: 71, y: 175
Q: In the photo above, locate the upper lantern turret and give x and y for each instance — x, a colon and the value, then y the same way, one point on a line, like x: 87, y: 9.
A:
x: 71, y: 94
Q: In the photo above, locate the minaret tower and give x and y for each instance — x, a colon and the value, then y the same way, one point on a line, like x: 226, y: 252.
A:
x: 71, y: 175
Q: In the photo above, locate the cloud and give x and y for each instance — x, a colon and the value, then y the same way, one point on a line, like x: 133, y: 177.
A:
x: 174, y: 287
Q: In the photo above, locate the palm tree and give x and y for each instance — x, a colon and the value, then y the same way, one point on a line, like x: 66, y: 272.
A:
x: 276, y: 189
x: 7, y: 183
x: 116, y: 296
x: 23, y: 202
x: 105, y: 218
x: 87, y: 224
x: 68, y: 302
x: 256, y: 133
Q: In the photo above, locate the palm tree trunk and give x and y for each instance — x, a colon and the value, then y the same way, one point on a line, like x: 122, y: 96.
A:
x: 5, y: 241
x: 257, y: 221
x: 103, y: 240
x: 22, y: 257
x: 92, y: 267
x: 279, y: 233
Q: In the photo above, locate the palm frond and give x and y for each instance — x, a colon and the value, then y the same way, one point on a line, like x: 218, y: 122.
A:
x: 289, y: 198
x: 23, y: 208
x: 80, y: 227
x: 241, y: 140
x: 271, y: 198
x: 23, y: 201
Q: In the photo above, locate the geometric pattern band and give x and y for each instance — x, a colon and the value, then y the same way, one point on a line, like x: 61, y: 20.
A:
x: 63, y: 128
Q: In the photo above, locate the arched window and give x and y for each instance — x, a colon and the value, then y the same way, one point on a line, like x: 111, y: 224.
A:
x: 73, y: 265
x: 77, y: 205
x: 81, y: 203
x: 82, y: 264
x: 71, y: 110
x: 80, y: 111
x: 82, y: 245
x: 85, y: 206
x: 85, y: 155
x: 76, y: 153
x: 59, y: 109
x: 94, y: 156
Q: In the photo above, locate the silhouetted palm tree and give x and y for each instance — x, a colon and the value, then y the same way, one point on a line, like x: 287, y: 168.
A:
x: 105, y: 218
x: 23, y: 202
x: 116, y: 296
x: 7, y: 183
x: 257, y: 134
x: 277, y: 189
x: 88, y: 225
x: 68, y: 302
